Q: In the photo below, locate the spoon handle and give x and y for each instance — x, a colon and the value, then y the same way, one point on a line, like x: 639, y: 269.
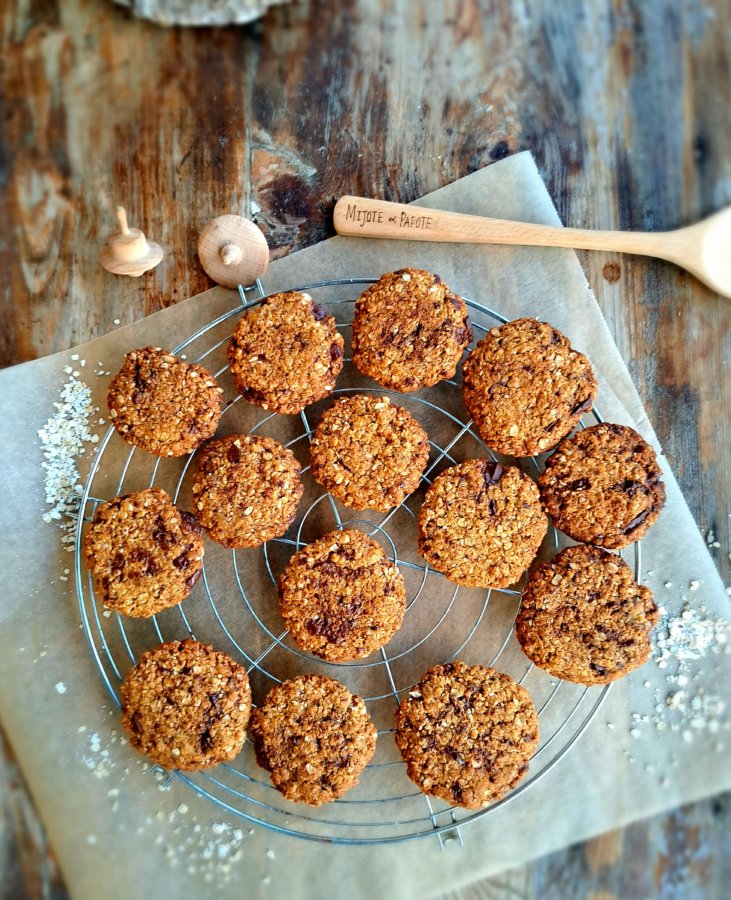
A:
x: 362, y: 217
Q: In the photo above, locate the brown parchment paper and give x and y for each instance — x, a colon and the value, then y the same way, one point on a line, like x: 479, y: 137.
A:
x: 104, y: 851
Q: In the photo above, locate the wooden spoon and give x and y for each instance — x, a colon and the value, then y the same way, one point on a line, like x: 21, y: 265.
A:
x: 703, y: 249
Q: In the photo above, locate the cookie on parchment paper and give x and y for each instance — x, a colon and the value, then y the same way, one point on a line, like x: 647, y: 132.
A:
x: 368, y: 452
x: 144, y: 554
x: 481, y: 524
x: 246, y: 489
x: 603, y: 486
x: 286, y: 353
x: 526, y: 388
x: 163, y: 404
x: 314, y: 738
x: 186, y: 705
x: 583, y: 617
x: 341, y: 597
x: 409, y: 330
x: 466, y: 734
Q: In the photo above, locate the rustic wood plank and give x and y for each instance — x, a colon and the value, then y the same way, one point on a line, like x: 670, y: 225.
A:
x: 623, y: 103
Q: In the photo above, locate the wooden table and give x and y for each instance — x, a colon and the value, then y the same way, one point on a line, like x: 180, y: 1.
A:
x: 625, y: 106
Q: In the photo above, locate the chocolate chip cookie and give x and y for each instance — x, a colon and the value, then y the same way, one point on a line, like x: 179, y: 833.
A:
x: 246, y: 489
x: 341, y: 597
x: 603, y: 486
x: 481, y: 524
x: 186, y: 705
x: 409, y: 330
x: 466, y: 734
x: 163, y: 404
x: 368, y: 452
x: 144, y: 554
x: 526, y: 388
x: 314, y: 738
x: 583, y: 617
x: 286, y: 353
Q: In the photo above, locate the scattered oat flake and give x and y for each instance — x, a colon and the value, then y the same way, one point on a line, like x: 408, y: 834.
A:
x: 63, y: 438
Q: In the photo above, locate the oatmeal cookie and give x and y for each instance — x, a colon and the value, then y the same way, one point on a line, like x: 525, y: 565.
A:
x: 186, y: 705
x: 603, y: 486
x: 481, y: 524
x: 409, y: 330
x: 163, y: 404
x: 341, y: 597
x: 286, y: 353
x: 583, y: 617
x: 314, y: 738
x: 525, y: 387
x: 144, y: 554
x: 246, y: 489
x: 368, y: 452
x: 466, y: 734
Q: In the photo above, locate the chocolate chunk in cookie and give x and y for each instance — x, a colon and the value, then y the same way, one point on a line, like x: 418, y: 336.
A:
x: 409, y: 330
x: 286, y: 353
x: 368, y: 452
x: 466, y: 734
x: 186, y: 705
x: 481, y: 524
x: 603, y: 486
x: 583, y: 617
x: 341, y: 597
x: 246, y: 489
x: 163, y: 404
x: 526, y: 388
x: 314, y: 737
x: 144, y: 554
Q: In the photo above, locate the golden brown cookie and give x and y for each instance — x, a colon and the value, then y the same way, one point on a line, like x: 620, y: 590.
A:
x: 286, y: 353
x: 481, y: 524
x: 466, y: 734
x: 525, y: 388
x: 409, y: 330
x: 163, y: 404
x: 144, y: 554
x: 341, y: 597
x: 368, y: 452
x: 583, y: 617
x: 314, y: 738
x: 603, y: 486
x: 186, y: 705
x: 246, y: 489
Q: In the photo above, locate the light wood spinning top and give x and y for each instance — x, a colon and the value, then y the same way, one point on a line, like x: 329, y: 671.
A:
x: 233, y: 251
x: 128, y: 252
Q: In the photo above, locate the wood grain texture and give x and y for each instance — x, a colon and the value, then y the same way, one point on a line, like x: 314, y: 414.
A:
x: 624, y: 104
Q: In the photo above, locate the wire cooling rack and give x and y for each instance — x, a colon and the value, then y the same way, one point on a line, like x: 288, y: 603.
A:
x: 234, y: 606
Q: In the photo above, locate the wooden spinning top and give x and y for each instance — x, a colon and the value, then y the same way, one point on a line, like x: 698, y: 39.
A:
x: 233, y: 251
x: 128, y: 252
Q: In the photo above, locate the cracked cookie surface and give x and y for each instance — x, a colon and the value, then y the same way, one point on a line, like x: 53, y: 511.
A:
x: 466, y: 734
x: 603, y: 486
x: 481, y: 524
x: 186, y: 705
x: 314, y: 738
x: 163, y: 404
x: 368, y: 452
x: 286, y: 353
x: 246, y: 489
x: 583, y: 617
x: 409, y: 330
x: 341, y: 597
x: 144, y: 554
x: 526, y: 388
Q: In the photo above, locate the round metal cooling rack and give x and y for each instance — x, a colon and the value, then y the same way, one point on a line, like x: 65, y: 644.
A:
x: 235, y: 605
